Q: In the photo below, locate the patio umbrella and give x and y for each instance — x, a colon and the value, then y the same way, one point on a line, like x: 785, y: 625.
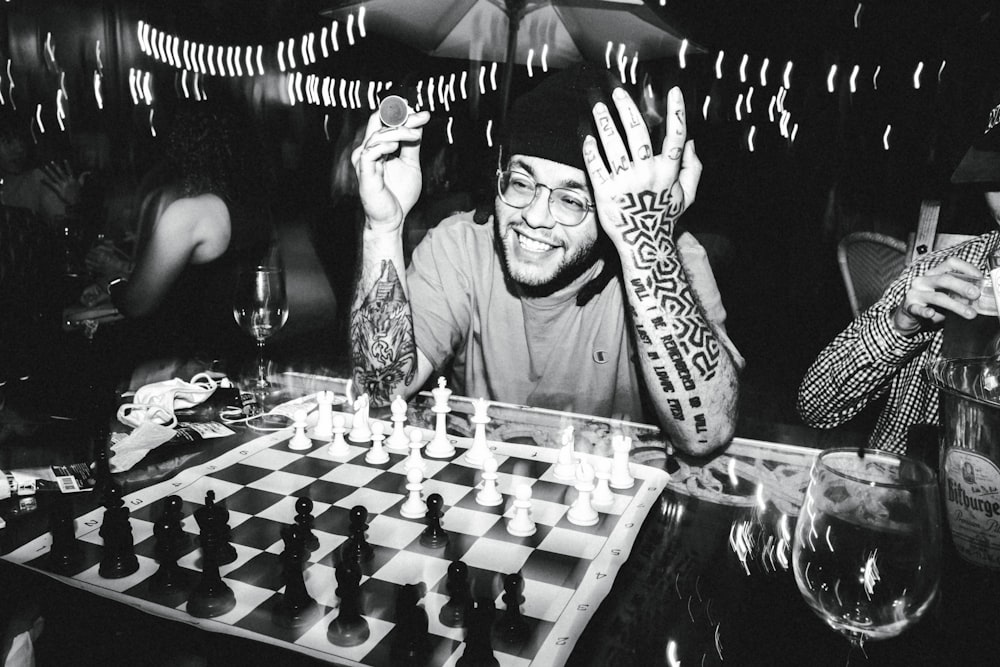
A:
x: 559, y: 31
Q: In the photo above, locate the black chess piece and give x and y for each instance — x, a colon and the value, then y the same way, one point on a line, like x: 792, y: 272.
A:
x: 168, y: 582
x: 478, y: 638
x: 211, y: 597
x: 356, y: 548
x: 225, y: 552
x: 434, y: 536
x: 295, y: 608
x: 512, y: 627
x: 65, y: 554
x: 304, y: 518
x: 349, y: 628
x: 118, y: 551
x: 453, y: 612
x: 411, y: 645
x: 178, y: 540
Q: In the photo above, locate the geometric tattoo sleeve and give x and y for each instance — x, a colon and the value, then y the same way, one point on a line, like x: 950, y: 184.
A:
x: 384, y: 352
x: 646, y: 223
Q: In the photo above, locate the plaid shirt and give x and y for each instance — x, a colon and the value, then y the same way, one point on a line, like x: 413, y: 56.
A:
x: 870, y: 358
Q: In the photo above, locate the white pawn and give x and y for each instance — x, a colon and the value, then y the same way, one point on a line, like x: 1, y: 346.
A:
x: 377, y: 454
x: 480, y: 450
x: 440, y: 446
x: 621, y: 475
x: 360, y: 431
x: 300, y: 440
x: 338, y: 446
x: 397, y: 440
x: 415, y: 460
x: 582, y: 513
x: 414, y: 507
x: 521, y: 524
x: 324, y: 419
x: 489, y: 496
x: 602, y: 496
x: 565, y: 468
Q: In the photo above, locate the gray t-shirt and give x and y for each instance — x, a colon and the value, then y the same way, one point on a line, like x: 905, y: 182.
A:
x: 545, y: 353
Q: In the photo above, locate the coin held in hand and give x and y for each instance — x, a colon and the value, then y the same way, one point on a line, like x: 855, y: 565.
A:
x: 393, y: 111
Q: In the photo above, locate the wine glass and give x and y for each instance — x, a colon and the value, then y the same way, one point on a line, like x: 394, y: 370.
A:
x: 261, y: 308
x: 867, y: 549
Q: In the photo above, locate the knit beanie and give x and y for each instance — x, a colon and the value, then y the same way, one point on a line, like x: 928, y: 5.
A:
x: 551, y: 120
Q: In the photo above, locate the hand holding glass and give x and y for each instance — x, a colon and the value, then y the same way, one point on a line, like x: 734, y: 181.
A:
x: 867, y: 552
x: 261, y: 308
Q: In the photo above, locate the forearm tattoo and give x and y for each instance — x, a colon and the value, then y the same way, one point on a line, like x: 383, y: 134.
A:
x: 647, y: 227
x: 384, y: 352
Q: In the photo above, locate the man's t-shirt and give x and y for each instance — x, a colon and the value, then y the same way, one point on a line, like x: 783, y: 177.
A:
x: 543, y: 352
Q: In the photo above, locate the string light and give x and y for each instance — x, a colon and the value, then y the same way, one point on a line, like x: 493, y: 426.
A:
x: 531, y: 56
x: 743, y: 68
x: 682, y: 54
x: 718, y: 65
x: 786, y: 76
x: 854, y: 79
x: 763, y: 72
x: 545, y: 57
x: 830, y: 78
x: 704, y: 106
x: 916, y: 75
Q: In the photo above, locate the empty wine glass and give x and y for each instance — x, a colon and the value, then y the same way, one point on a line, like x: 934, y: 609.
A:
x: 867, y: 549
x: 261, y: 309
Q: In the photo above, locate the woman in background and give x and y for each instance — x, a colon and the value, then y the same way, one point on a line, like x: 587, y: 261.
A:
x: 204, y: 213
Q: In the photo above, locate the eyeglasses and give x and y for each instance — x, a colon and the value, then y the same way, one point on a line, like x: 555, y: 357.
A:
x: 566, y: 206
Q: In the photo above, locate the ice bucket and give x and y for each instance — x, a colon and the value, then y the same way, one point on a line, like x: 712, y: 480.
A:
x: 969, y: 454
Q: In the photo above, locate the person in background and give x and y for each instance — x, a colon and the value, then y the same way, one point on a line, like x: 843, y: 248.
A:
x: 204, y: 213
x: 575, y: 292
x: 50, y: 191
x: 883, y: 352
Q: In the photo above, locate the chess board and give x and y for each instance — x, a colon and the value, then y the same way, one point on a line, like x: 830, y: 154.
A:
x: 568, y: 570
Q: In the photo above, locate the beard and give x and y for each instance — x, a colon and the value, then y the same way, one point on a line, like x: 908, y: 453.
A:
x: 572, y: 266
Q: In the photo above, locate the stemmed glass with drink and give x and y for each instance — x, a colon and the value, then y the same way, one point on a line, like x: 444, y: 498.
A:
x: 261, y: 308
x: 867, y: 548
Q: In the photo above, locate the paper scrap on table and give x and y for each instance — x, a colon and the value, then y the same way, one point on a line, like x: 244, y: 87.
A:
x: 131, y: 449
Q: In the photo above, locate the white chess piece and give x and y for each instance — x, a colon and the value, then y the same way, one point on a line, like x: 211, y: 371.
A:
x: 397, y: 440
x: 324, y: 419
x: 440, y: 446
x: 621, y: 475
x: 489, y: 495
x: 377, y: 454
x: 480, y: 450
x: 414, y: 507
x: 565, y: 468
x: 521, y: 524
x: 360, y: 430
x: 582, y: 512
x: 338, y: 446
x: 602, y: 496
x: 415, y: 460
x: 300, y: 441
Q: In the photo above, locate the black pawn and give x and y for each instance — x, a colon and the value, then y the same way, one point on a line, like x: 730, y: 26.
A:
x: 211, y: 597
x: 511, y: 626
x: 295, y: 608
x: 478, y: 638
x: 356, y: 548
x: 304, y: 519
x: 65, y: 554
x: 453, y: 612
x: 349, y: 628
x: 434, y: 536
x: 411, y: 645
x: 168, y: 578
x: 225, y: 552
x: 118, y: 552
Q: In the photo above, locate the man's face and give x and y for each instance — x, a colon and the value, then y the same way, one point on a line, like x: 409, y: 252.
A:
x: 13, y: 155
x: 536, y: 249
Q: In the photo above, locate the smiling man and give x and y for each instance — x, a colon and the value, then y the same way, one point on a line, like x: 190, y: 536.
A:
x: 575, y: 292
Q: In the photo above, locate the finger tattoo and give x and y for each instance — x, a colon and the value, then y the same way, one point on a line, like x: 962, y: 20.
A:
x: 675, y: 153
x: 645, y: 152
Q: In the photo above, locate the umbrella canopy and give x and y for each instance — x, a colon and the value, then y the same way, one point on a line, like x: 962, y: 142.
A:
x: 554, y: 33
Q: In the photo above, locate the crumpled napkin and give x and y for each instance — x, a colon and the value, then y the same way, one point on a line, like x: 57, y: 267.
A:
x: 132, y: 448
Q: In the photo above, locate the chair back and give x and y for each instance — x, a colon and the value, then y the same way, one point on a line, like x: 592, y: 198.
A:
x: 868, y: 263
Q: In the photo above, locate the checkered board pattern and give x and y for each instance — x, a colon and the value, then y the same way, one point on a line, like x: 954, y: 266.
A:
x: 567, y: 569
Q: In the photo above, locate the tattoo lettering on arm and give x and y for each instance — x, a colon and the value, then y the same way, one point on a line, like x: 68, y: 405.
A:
x: 384, y: 351
x: 647, y: 227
